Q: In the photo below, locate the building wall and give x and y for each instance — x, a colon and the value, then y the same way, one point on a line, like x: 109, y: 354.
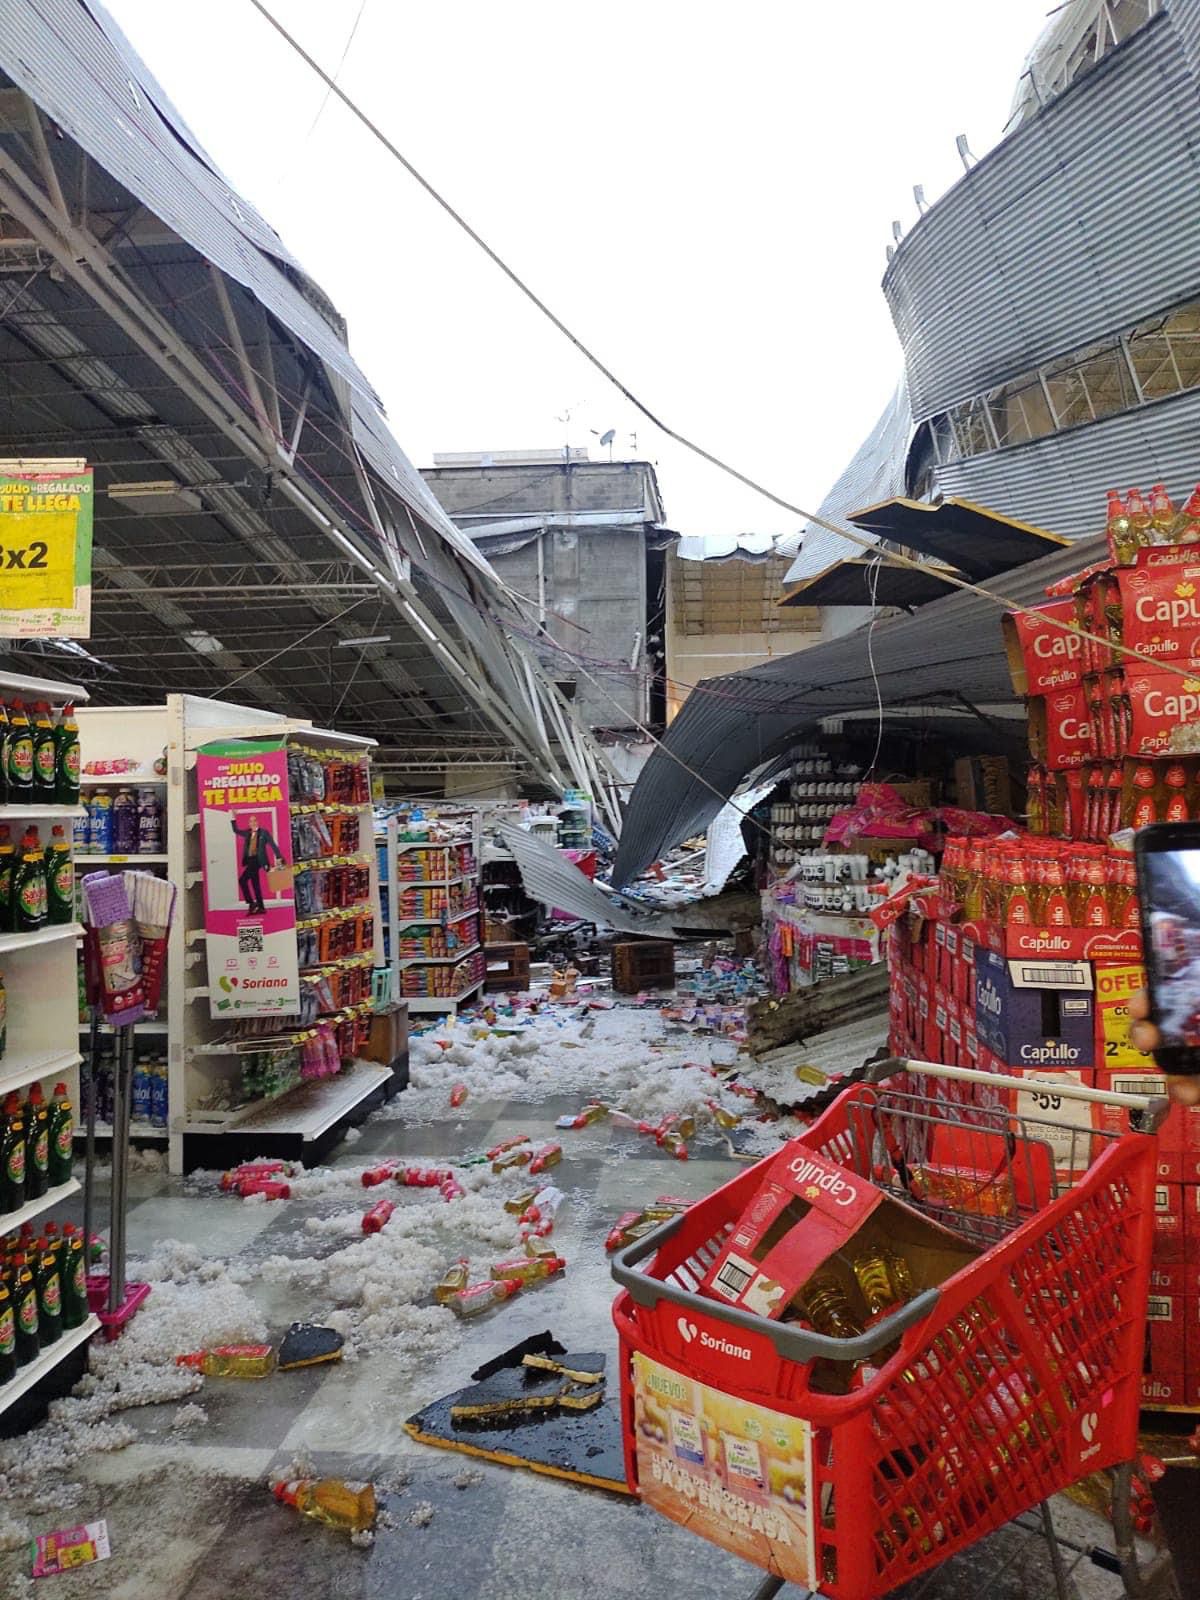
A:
x: 724, y: 616
x: 476, y: 495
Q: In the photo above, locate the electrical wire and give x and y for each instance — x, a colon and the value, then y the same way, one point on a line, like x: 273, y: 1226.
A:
x: 336, y: 73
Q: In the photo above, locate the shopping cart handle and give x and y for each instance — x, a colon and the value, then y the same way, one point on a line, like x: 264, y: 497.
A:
x: 1146, y: 1112
x: 791, y: 1342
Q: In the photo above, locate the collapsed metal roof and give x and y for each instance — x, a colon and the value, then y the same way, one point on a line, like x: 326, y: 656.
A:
x: 948, y: 655
x: 152, y: 322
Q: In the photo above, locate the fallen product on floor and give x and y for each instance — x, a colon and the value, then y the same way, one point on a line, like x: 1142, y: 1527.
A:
x: 330, y: 1500
x: 305, y: 1344
x: 576, y: 1436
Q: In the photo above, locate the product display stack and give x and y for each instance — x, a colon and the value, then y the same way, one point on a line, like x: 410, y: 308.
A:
x: 431, y: 873
x: 1028, y: 953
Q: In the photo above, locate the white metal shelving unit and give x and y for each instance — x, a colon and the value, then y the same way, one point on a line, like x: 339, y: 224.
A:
x: 140, y: 734
x: 394, y: 849
x: 308, y: 1110
x: 42, y: 1045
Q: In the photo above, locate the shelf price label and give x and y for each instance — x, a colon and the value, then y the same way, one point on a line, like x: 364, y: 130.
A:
x: 46, y: 551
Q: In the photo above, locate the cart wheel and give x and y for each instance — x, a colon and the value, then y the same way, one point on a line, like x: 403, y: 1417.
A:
x: 1152, y: 1580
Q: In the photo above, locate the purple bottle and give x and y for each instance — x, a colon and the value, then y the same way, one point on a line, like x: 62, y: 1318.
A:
x: 124, y: 824
x: 149, y: 823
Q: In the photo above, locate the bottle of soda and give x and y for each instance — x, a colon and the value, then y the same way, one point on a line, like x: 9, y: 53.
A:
x: 25, y: 1305
x: 37, y: 1143
x: 62, y: 1133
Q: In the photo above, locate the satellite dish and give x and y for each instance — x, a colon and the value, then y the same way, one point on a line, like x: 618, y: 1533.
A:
x: 607, y: 438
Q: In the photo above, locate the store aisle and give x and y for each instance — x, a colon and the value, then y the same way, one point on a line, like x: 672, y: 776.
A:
x: 189, y: 1512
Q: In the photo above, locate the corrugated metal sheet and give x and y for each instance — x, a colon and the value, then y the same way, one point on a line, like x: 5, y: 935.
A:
x: 72, y: 59
x: 1185, y: 17
x: 1080, y: 223
x: 1059, y: 482
x: 875, y: 472
x: 832, y: 1053
x: 729, y: 725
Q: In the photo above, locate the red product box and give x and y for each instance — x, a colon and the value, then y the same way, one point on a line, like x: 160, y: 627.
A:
x: 1169, y: 1321
x: 1175, y: 1277
x: 1043, y: 655
x: 1058, y: 944
x: 1160, y: 704
x: 803, y: 1216
x: 1164, y: 1389
x: 970, y: 1057
x: 1160, y: 610
x: 1060, y: 729
x: 1169, y: 1226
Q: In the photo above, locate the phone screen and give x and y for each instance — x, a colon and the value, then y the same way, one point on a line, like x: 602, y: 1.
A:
x: 1170, y: 887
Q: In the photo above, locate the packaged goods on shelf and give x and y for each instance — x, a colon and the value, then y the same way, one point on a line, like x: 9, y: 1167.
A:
x: 443, y: 981
x: 427, y: 941
x: 435, y: 864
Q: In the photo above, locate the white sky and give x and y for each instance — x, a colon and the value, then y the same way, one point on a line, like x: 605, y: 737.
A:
x: 704, y: 193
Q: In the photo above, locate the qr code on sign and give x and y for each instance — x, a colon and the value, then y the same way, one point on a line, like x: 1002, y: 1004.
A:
x: 250, y: 941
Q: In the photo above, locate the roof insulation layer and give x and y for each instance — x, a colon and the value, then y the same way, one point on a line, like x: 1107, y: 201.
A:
x: 950, y: 653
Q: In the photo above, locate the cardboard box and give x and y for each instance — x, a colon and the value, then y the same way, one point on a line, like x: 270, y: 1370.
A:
x: 804, y: 1215
x: 1035, y: 1013
x: 1169, y: 1216
x: 1060, y: 729
x: 1164, y: 1389
x: 1161, y: 704
x: 1115, y: 982
x: 1056, y: 944
x: 1160, y: 610
x: 1176, y: 1277
x: 1167, y: 1325
x: 1043, y: 655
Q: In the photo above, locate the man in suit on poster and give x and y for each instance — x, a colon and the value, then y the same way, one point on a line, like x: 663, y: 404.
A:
x: 257, y: 849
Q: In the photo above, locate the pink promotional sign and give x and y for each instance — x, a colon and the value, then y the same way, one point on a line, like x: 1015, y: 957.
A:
x: 249, y: 894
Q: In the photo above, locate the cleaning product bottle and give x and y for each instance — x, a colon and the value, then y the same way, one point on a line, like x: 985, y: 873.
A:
x: 18, y: 748
x: 37, y: 1143
x: 124, y: 823
x: 62, y: 1133
x: 231, y: 1361
x: 49, y: 1298
x: 158, y: 1093
x: 60, y: 877
x: 8, y: 863
x: 43, y: 754
x: 141, y: 1090
x: 66, y: 758
x: 3, y: 1017
x: 25, y: 1305
x: 74, y: 1278
x: 12, y: 1155
x: 8, y: 1336
x: 29, y: 885
x: 4, y: 737
x: 330, y: 1500
x: 100, y: 822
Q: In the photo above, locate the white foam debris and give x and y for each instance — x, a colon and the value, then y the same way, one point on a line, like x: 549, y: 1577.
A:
x: 14, y: 1534
x: 300, y: 1466
x: 363, y: 1538
x: 352, y: 1136
x: 190, y: 1416
x: 421, y: 1514
x: 467, y: 1478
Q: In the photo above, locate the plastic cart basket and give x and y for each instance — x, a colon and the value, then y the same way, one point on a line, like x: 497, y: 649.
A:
x: 975, y: 1401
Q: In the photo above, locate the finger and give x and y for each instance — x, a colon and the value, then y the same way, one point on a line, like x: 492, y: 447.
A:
x: 1139, y: 1005
x: 1144, y: 1036
x: 1184, y: 1091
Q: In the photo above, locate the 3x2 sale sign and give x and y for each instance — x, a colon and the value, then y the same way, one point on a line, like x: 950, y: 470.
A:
x: 45, y: 550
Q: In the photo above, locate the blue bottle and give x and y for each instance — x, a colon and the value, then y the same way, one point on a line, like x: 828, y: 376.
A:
x: 142, y: 1091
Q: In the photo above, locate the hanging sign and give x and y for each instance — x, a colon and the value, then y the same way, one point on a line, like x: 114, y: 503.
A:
x: 45, y: 550
x: 249, y: 889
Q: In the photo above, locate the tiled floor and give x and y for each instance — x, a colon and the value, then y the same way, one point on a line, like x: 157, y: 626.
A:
x: 191, y: 1518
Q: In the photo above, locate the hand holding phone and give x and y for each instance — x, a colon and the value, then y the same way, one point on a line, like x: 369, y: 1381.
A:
x: 1168, y: 864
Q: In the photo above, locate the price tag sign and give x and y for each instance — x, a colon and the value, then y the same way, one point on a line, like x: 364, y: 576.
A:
x: 45, y: 550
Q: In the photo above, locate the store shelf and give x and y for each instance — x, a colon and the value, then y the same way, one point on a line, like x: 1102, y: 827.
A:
x: 18, y: 1070
x: 52, y: 689
x: 122, y: 780
x: 10, y: 1221
x: 46, y: 1361
x: 437, y: 961
x: 82, y: 857
x: 423, y: 1003
x: 48, y: 935
x: 311, y: 1108
x: 37, y: 811
x: 137, y: 1130
x: 157, y: 1025
x: 433, y: 883
x: 438, y: 921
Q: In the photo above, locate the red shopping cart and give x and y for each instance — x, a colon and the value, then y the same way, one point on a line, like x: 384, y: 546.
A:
x: 850, y: 1465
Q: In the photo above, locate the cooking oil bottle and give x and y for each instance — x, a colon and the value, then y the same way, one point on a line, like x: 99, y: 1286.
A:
x: 231, y: 1361
x: 330, y: 1500
x: 874, y: 1281
x: 828, y: 1307
x: 454, y: 1281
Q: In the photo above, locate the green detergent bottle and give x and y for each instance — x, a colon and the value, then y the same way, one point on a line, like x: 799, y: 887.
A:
x: 60, y: 877
x: 29, y: 885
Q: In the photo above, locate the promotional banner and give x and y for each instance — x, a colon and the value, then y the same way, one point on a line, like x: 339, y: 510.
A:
x: 728, y: 1469
x: 249, y: 899
x: 45, y: 550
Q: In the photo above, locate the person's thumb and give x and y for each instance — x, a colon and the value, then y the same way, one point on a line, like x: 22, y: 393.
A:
x: 1185, y: 1091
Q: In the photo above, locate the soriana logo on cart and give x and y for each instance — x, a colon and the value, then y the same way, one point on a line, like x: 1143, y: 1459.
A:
x: 1045, y: 651
x: 805, y: 1210
x: 1161, y: 611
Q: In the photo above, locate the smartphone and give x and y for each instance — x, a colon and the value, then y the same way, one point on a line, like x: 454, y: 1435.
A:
x: 1168, y: 868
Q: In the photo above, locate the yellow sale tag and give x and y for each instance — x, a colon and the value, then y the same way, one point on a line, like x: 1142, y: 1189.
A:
x: 37, y: 559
